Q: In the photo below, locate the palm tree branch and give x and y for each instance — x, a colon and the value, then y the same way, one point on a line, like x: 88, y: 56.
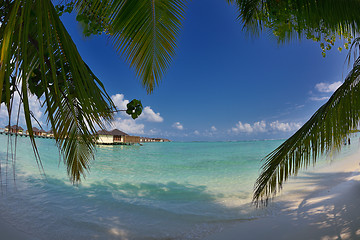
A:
x: 322, y: 133
x: 75, y: 99
x: 297, y: 18
x: 144, y: 32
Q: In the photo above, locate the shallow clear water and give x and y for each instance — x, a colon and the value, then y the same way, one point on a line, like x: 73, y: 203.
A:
x: 155, y: 191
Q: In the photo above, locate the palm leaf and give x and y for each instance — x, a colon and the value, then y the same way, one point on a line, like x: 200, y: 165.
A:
x: 49, y: 65
x: 298, y: 18
x: 143, y: 31
x: 324, y: 132
x: 326, y: 129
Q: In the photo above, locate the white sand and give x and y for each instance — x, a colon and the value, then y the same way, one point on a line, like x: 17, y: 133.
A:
x: 321, y: 204
x: 9, y: 232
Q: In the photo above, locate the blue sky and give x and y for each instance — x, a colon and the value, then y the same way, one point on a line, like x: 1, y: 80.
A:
x: 222, y: 84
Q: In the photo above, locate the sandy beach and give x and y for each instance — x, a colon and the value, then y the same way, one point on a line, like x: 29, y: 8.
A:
x: 9, y: 232
x: 318, y: 204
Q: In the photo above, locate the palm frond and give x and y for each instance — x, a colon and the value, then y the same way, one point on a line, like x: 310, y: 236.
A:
x: 324, y: 132
x: 143, y: 31
x: 37, y: 51
x: 298, y: 18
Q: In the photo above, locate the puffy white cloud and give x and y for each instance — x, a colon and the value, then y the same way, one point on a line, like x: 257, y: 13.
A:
x: 213, y: 128
x: 284, y: 127
x: 325, y: 88
x: 248, y: 128
x: 178, y: 126
x: 125, y: 123
x: 328, y: 87
x: 319, y: 98
x: 262, y: 126
x: 196, y: 132
x: 128, y: 126
x: 259, y: 126
x: 240, y: 127
x: 119, y: 101
x: 149, y: 115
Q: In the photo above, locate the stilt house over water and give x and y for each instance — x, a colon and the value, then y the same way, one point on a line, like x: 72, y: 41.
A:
x: 37, y: 132
x: 116, y: 137
x: 14, y: 129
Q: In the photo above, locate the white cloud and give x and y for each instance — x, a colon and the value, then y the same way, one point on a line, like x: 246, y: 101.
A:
x: 262, y: 126
x: 248, y: 128
x: 196, y: 132
x: 319, y: 98
x: 328, y: 87
x: 240, y: 127
x: 119, y: 101
x: 149, y: 115
x: 125, y: 123
x: 324, y: 88
x: 284, y: 127
x: 34, y: 106
x: 128, y: 126
x: 178, y: 126
x: 213, y: 128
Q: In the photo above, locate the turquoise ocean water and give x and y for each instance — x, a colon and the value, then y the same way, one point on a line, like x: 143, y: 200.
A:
x: 177, y: 190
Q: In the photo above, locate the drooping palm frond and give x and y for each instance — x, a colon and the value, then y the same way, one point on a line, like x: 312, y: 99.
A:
x: 143, y: 31
x: 314, y: 19
x: 37, y: 51
x: 324, y: 132
x: 298, y: 18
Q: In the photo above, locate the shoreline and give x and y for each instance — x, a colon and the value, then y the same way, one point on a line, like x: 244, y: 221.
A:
x: 320, y: 203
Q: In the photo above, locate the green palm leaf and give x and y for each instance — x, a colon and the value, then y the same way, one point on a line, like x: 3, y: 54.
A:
x: 143, y: 31
x: 37, y: 51
x: 39, y: 57
x: 324, y: 132
x: 297, y: 18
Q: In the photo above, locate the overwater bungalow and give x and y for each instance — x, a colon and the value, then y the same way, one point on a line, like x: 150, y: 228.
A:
x: 43, y: 133
x: 50, y: 133
x: 115, y: 137
x: 14, y: 129
x: 35, y: 130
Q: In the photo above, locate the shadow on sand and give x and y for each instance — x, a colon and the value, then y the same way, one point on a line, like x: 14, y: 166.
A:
x: 328, y: 209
